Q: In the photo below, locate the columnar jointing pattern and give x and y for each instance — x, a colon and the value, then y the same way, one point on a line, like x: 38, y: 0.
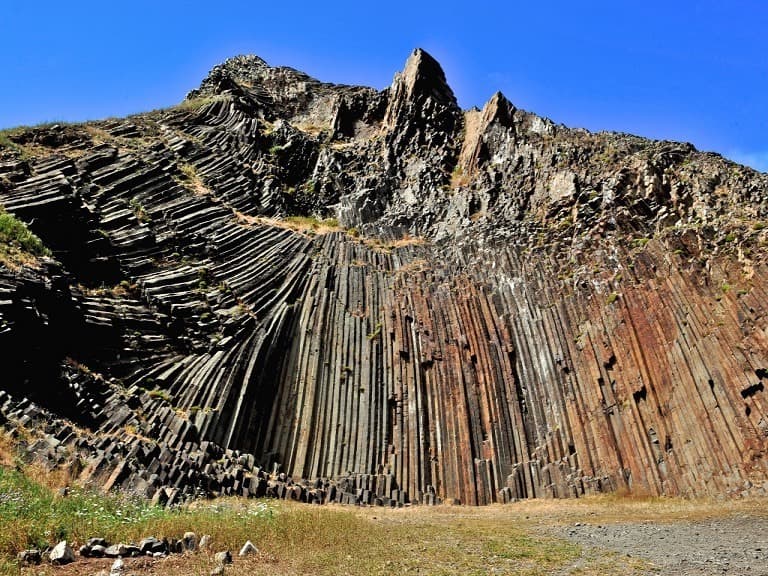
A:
x: 524, y: 315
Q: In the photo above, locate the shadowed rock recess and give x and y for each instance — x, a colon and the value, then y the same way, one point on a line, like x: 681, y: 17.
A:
x: 477, y: 305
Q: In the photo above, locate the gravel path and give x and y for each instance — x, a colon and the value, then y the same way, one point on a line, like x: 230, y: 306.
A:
x: 736, y: 545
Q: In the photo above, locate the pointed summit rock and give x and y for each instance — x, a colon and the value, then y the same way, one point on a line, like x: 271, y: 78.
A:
x: 422, y: 79
x: 244, y: 69
x: 498, y: 109
x: 484, y: 128
x: 423, y: 76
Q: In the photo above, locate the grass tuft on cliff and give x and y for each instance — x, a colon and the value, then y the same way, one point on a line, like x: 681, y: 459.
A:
x: 18, y: 245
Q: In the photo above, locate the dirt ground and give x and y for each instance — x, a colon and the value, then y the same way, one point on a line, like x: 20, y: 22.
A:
x: 731, y: 545
x: 667, y: 536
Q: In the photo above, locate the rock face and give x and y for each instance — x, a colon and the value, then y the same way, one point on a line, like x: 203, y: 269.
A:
x: 500, y: 308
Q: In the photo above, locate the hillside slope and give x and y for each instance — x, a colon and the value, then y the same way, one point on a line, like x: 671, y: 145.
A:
x: 282, y: 279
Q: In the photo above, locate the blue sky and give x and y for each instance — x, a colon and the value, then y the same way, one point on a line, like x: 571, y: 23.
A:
x: 693, y: 71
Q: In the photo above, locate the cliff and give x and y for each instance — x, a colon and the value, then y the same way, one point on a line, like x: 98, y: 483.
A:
x: 328, y: 292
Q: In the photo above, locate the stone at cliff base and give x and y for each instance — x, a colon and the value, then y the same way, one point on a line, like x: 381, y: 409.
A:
x: 248, y: 548
x: 117, y: 567
x: 190, y: 541
x: 30, y: 557
x: 62, y: 554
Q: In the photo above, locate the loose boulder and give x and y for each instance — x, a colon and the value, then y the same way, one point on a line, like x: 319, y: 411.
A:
x: 62, y: 554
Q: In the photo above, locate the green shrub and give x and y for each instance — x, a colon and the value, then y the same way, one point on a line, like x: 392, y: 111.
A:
x: 15, y: 233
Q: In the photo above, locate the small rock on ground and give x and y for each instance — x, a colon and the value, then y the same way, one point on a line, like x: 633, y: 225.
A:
x: 62, y: 554
x: 248, y: 548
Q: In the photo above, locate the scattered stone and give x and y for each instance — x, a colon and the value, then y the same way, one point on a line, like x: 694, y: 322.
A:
x: 190, y: 541
x: 205, y: 541
x: 117, y: 567
x: 218, y: 570
x: 30, y: 557
x: 115, y: 550
x: 97, y: 542
x: 248, y: 548
x: 224, y: 557
x: 98, y: 551
x: 62, y: 554
x: 121, y: 550
x: 152, y: 545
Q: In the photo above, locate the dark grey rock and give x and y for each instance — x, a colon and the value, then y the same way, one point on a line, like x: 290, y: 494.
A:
x: 97, y: 551
x: 30, y: 557
x: 190, y: 541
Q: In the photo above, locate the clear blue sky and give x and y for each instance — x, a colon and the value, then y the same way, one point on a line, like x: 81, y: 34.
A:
x: 694, y: 70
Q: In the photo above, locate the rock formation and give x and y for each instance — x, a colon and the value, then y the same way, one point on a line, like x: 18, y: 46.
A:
x: 328, y: 292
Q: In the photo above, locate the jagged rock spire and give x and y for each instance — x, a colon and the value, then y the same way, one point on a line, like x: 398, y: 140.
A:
x: 422, y: 79
x: 498, y: 109
x: 423, y: 75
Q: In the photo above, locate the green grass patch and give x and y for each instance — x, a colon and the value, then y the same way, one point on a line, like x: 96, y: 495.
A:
x: 18, y: 245
x: 194, y: 104
x: 32, y: 515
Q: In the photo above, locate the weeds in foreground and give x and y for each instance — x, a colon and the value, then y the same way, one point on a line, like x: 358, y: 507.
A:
x: 292, y: 538
x: 295, y: 538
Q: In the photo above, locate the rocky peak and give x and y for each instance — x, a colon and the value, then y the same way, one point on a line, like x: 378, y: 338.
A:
x: 422, y: 79
x: 423, y: 75
x: 498, y: 109
x: 243, y: 69
x: 272, y: 91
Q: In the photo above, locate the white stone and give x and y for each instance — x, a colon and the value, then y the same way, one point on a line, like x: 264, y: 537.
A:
x: 62, y: 553
x: 248, y: 548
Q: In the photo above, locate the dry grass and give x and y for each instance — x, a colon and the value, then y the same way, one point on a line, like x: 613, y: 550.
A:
x: 307, y: 225
x: 298, y: 539
x: 614, y: 508
x: 459, y: 178
x: 381, y: 245
x: 191, y: 180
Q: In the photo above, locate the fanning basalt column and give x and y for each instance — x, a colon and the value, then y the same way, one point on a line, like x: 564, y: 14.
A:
x: 330, y: 293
